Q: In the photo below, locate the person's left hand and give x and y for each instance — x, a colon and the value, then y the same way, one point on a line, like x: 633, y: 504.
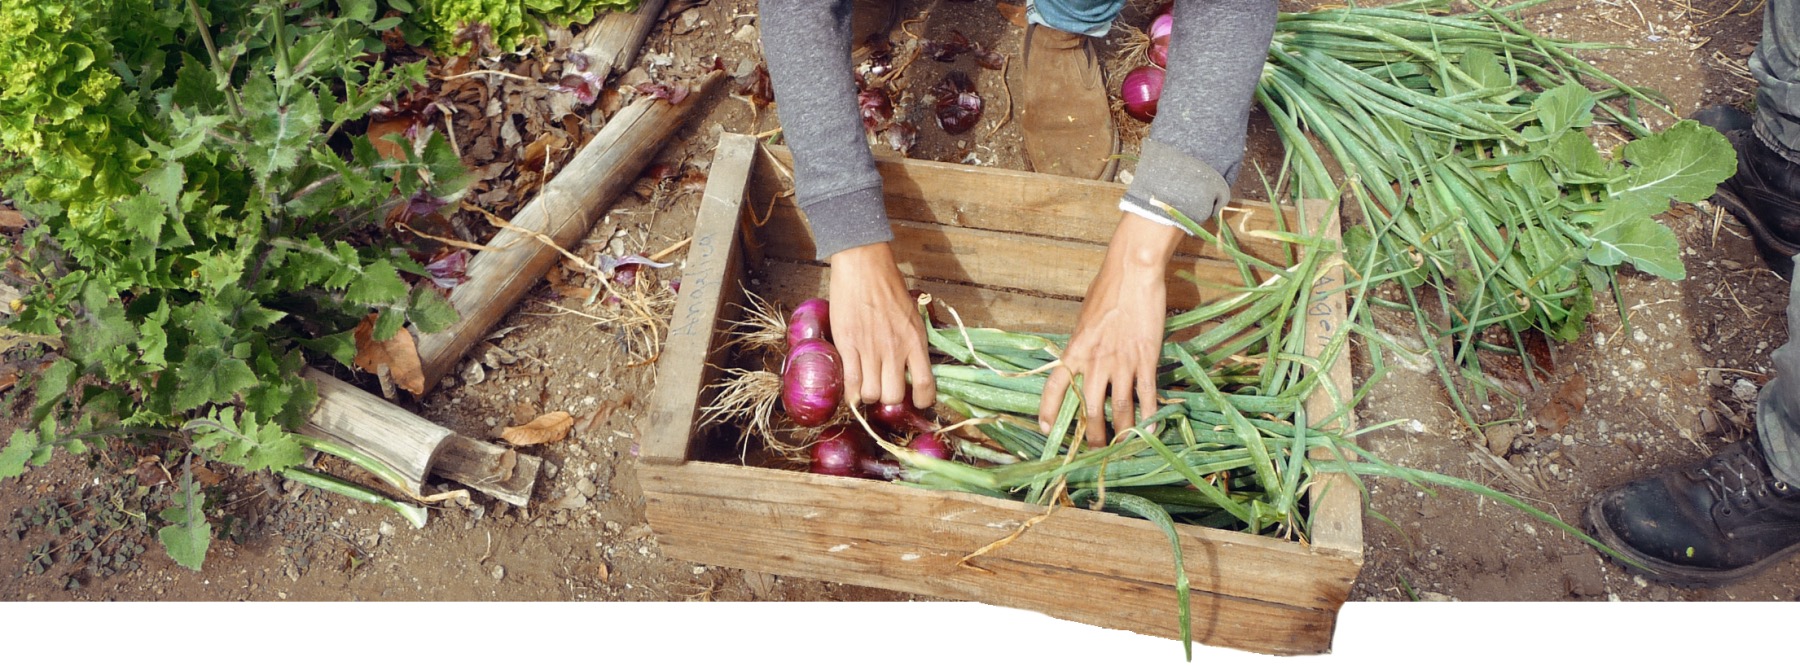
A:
x: 1118, y: 338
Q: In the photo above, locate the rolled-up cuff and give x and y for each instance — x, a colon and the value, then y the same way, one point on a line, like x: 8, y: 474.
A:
x: 1167, y: 176
x: 848, y: 220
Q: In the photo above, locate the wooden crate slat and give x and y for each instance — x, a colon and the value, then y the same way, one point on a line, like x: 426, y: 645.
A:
x: 846, y: 535
x: 1026, y: 202
x: 1336, y: 500
x: 835, y: 509
x: 794, y: 282
x: 999, y: 259
x: 708, y: 286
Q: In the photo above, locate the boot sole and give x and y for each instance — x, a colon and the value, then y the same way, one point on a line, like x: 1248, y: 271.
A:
x: 1675, y: 574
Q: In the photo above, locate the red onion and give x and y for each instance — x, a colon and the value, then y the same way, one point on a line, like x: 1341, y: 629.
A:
x: 902, y: 417
x: 947, y: 49
x: 902, y: 136
x: 811, y: 320
x: 839, y: 451
x: 1160, y: 31
x: 929, y: 445
x: 812, y: 383
x: 1143, y: 87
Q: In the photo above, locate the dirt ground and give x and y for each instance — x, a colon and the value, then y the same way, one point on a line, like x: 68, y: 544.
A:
x: 1624, y: 401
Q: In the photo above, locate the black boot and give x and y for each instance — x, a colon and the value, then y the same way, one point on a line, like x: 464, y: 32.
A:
x: 1765, y: 192
x: 1714, y: 523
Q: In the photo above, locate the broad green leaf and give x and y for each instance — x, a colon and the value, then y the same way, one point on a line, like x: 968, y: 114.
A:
x: 341, y: 347
x: 388, y: 323
x: 1560, y: 109
x: 100, y: 335
x: 188, y: 535
x: 1577, y: 160
x: 430, y: 311
x: 360, y: 11
x: 165, y: 182
x: 19, y: 449
x: 153, y: 338
x: 1483, y: 66
x: 143, y: 215
x: 211, y: 375
x: 279, y: 132
x: 378, y: 283
x: 1685, y: 162
x: 1627, y: 233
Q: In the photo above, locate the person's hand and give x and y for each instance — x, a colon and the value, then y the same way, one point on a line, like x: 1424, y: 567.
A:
x: 876, y: 326
x: 1118, y: 338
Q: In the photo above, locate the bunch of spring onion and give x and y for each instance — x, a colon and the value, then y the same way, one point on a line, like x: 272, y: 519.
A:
x: 1464, y: 145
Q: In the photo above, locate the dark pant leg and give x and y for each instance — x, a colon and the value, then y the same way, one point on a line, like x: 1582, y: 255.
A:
x: 1778, y: 406
x: 1776, y: 65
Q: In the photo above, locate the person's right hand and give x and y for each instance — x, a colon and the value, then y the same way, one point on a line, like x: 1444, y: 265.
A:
x: 876, y: 326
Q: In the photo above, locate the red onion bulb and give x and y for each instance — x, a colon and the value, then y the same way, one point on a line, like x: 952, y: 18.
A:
x: 811, y: 320
x: 929, y: 445
x: 1142, y: 88
x: 838, y: 451
x: 812, y: 383
x: 901, y: 417
x: 1160, y: 31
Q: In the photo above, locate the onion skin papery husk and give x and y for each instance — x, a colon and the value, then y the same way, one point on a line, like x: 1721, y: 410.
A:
x: 812, y: 383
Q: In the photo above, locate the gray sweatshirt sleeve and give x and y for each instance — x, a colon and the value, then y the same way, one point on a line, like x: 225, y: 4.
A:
x: 807, y: 44
x: 1196, y: 144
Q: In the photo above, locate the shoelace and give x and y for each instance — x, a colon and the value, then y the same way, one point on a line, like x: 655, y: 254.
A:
x: 1726, y: 480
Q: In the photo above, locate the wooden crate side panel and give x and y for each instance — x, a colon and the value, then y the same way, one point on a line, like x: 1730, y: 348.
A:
x: 793, y: 282
x: 1030, y: 203
x: 709, y: 285
x: 1336, y: 517
x: 1001, y: 259
x: 881, y: 545
x: 838, y: 510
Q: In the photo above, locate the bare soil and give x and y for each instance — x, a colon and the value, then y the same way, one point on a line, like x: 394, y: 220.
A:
x: 1627, y: 399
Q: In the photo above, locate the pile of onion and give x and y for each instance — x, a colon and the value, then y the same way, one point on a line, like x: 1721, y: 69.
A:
x: 1143, y: 86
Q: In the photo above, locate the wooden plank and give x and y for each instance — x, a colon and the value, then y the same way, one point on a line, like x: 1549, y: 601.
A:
x: 398, y: 438
x: 1336, y: 517
x: 498, y: 471
x: 612, y: 41
x: 708, y: 284
x: 414, y: 446
x: 977, y: 256
x: 1032, y: 203
x: 1249, y: 592
x: 794, y: 282
x: 563, y: 211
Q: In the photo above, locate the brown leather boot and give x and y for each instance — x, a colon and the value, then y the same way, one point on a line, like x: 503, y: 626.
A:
x: 1063, y: 107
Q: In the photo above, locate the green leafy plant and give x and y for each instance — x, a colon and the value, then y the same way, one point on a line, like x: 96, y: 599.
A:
x: 206, y: 220
x: 452, y: 26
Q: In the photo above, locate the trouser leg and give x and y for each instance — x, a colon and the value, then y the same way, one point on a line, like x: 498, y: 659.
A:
x: 1778, y: 406
x: 1083, y: 17
x: 1776, y: 66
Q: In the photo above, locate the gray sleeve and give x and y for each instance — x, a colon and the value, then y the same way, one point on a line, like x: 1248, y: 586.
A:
x: 1196, y: 144
x: 807, y: 43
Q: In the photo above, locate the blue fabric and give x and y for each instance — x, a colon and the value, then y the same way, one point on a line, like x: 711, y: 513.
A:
x: 1083, y: 17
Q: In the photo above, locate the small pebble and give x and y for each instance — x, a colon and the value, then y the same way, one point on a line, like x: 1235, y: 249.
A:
x: 499, y: 572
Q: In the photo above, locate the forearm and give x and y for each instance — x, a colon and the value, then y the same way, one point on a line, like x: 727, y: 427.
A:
x: 807, y: 44
x: 1196, y: 144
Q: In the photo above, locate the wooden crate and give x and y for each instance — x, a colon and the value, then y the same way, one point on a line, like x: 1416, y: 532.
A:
x: 978, y: 239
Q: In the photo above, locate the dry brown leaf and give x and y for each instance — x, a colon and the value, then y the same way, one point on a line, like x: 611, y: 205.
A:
x: 399, y: 354
x: 11, y: 219
x: 379, y: 131
x: 551, y: 427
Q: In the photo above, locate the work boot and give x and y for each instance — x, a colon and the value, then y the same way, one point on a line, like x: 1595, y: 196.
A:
x: 1721, y: 520
x: 1063, y: 107
x: 870, y: 17
x: 1765, y: 192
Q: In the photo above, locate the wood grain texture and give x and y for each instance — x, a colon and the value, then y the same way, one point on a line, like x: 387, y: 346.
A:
x: 381, y: 429
x: 708, y: 285
x: 792, y: 282
x: 1336, y: 499
x: 414, y: 446
x: 1025, y: 202
x: 612, y: 41
x: 563, y: 211
x: 1249, y: 592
